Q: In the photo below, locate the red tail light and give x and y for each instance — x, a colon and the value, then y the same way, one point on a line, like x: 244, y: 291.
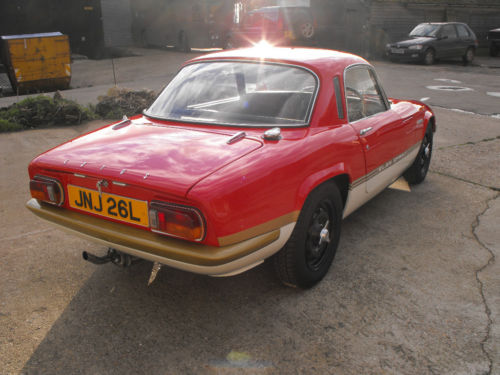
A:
x: 47, y: 189
x: 177, y: 221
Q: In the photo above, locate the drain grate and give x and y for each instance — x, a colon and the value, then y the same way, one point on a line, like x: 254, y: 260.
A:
x: 449, y: 88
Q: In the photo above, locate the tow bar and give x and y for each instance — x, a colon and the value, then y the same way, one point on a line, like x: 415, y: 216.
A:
x: 114, y: 256
x: 120, y: 259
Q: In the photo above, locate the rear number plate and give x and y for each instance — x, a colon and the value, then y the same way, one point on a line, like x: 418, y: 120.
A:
x: 109, y: 205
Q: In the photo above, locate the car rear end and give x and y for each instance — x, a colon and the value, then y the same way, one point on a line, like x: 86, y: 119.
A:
x: 109, y: 197
x: 494, y: 41
x: 160, y: 186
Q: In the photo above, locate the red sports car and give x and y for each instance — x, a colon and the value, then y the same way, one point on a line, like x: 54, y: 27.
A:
x: 246, y: 154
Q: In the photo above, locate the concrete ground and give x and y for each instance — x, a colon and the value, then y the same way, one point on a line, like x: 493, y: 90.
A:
x: 414, y: 288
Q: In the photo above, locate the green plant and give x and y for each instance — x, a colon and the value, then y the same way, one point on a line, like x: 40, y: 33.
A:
x: 41, y: 111
x: 7, y: 126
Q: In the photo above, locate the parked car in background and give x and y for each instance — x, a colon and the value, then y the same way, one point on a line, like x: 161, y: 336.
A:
x: 494, y: 41
x: 245, y: 155
x: 429, y: 42
x: 278, y: 25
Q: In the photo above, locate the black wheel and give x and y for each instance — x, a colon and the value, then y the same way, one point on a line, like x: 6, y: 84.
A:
x: 429, y: 57
x: 306, y: 30
x: 493, y: 50
x: 308, y: 254
x: 418, y: 170
x: 469, y: 56
x: 303, y: 26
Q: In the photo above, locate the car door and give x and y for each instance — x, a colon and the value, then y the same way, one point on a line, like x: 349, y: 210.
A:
x: 383, y: 134
x: 465, y: 38
x: 448, y: 41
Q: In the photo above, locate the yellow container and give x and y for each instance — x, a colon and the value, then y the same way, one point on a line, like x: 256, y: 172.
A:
x: 37, y: 62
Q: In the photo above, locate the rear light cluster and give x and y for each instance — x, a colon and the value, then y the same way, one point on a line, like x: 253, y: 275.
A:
x: 165, y: 218
x: 47, y: 189
x: 177, y: 221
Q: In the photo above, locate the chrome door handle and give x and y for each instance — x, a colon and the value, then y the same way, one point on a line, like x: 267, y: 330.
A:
x: 365, y: 130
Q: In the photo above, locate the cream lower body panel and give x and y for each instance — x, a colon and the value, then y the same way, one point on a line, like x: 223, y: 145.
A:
x: 231, y: 267
x: 364, y: 189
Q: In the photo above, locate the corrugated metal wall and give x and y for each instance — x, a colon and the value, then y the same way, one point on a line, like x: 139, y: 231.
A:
x: 117, y: 23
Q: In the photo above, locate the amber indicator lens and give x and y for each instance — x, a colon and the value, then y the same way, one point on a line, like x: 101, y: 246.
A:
x: 46, y: 190
x: 177, y: 221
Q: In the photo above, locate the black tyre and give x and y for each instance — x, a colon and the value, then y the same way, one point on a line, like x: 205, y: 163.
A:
x: 303, y: 26
x: 418, y: 170
x: 306, y: 30
x: 469, y: 56
x: 429, y: 57
x: 308, y: 254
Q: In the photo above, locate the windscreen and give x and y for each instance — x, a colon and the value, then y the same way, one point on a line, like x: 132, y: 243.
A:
x: 425, y: 29
x: 239, y: 94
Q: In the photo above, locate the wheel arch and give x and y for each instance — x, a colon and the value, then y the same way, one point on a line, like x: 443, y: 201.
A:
x: 430, y: 120
x: 337, y: 174
x: 434, y: 51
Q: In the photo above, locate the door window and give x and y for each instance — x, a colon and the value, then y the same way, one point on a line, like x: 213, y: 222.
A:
x: 449, y: 31
x: 463, y: 33
x: 363, y: 94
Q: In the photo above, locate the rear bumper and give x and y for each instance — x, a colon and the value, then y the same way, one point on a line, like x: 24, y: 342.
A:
x: 209, y: 260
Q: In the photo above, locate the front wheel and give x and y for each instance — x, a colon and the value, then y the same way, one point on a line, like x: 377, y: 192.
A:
x: 429, y: 57
x: 418, y: 170
x: 308, y: 254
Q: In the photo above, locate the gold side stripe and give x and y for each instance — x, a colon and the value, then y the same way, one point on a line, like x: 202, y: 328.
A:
x: 259, y: 229
x: 383, y: 167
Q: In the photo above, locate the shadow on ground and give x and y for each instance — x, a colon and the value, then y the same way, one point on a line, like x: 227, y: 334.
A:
x: 390, y: 304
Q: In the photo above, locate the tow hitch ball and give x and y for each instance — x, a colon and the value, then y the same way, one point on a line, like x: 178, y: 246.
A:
x: 114, y: 256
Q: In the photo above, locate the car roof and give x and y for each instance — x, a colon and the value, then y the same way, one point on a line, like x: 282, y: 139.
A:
x: 315, y: 59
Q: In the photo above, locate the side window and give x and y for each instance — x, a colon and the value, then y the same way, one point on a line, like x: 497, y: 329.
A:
x: 449, y: 31
x: 462, y: 31
x: 363, y: 94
